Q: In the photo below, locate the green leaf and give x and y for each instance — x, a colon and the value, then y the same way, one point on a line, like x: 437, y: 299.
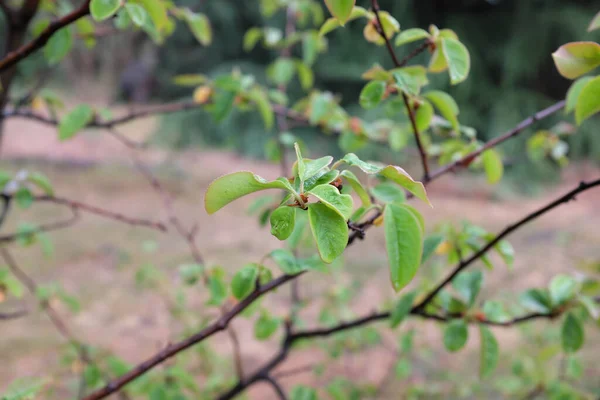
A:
x: 252, y: 37
x: 200, y: 27
x: 411, y: 35
x: 445, y: 105
x: 388, y: 192
x: 402, y: 309
x: 429, y: 245
x: 572, y: 334
x: 265, y: 108
x: 577, y: 58
x: 357, y: 187
x: 24, y: 198
x: 562, y: 289
x: 489, y: 352
x: 468, y: 285
x: 59, y: 45
x: 310, y: 48
x: 244, y: 281
x: 536, y: 300
x: 395, y: 174
x: 104, y: 9
x: 265, y: 326
x: 329, y: 25
x: 340, y: 9
x: 74, y: 121
x: 410, y: 79
x: 372, y: 94
x: 223, y: 103
x: 137, y: 13
x: 42, y: 182
x: 595, y: 24
x: 588, y: 102
x: 329, y: 230
x: 314, y: 167
x: 217, y: 287
x: 321, y: 178
x: 506, y: 251
x: 305, y: 75
x: 458, y: 59
x: 283, y: 220
x: 24, y: 389
x: 281, y: 71
x: 290, y: 265
x: 575, y: 91
x: 456, y: 334
x: 157, y: 9
x: 404, y: 244
x: 228, y: 188
x: 191, y: 273
x: 402, y: 178
x: 492, y: 164
x: 424, y: 116
x: 331, y: 197
x: 303, y: 393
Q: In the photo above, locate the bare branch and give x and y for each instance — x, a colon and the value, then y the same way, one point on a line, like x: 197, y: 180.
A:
x: 173, y: 349
x: 409, y: 109
x: 13, y: 314
x: 103, y: 213
x: 53, y: 226
x: 17, y: 55
x: 276, y: 386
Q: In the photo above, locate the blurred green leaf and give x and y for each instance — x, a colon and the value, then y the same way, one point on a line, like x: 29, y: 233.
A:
x: 244, y: 281
x: 456, y: 334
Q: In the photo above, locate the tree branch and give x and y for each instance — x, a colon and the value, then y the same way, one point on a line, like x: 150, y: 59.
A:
x: 221, y: 324
x: 17, y: 55
x: 409, y: 109
x: 103, y: 213
x: 13, y: 314
x: 276, y: 386
x: 53, y: 226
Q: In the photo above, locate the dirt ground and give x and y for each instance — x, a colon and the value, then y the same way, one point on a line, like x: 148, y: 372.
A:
x: 96, y: 259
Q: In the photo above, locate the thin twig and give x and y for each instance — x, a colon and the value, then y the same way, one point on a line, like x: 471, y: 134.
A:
x: 39, y: 41
x: 12, y: 314
x: 53, y: 226
x: 276, y: 386
x: 409, y: 108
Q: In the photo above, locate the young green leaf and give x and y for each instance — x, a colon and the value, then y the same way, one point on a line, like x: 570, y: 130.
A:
x: 331, y: 197
x: 415, y: 214
x: 468, y: 285
x: 575, y: 91
x: 228, y: 188
x: 104, y: 9
x: 372, y: 94
x: 340, y: 9
x: 424, y: 116
x: 588, y: 102
x: 137, y: 13
x: 595, y: 24
x: 572, y: 334
x: 322, y: 177
x: 265, y: 326
x: 159, y: 14
x: 575, y: 59
x: 303, y: 393
x: 265, y: 108
x: 456, y: 335
x: 305, y: 75
x: 562, y: 289
x: 402, y: 178
x: 402, y: 309
x: 492, y: 164
x: 446, y: 106
x: 410, y: 79
x: 330, y: 25
x: 59, y: 45
x: 200, y: 27
x: 536, y: 300
x: 244, y: 281
x: 281, y: 71
x: 489, y: 352
x: 283, y: 220
x: 458, y: 59
x: 300, y: 165
x: 357, y: 187
x: 329, y: 230
x: 430, y: 245
x: 404, y: 244
x: 411, y: 35
x: 74, y: 121
x: 506, y: 251
x: 24, y: 198
x: 313, y: 167
x: 388, y: 192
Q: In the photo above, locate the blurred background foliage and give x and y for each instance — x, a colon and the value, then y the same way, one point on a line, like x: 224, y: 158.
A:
x: 512, y: 73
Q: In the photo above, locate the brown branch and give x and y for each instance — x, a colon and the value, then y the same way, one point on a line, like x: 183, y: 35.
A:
x: 521, y: 126
x: 171, y: 350
x: 53, y: 226
x: 276, y: 386
x: 12, y: 314
x: 583, y: 186
x: 409, y: 109
x: 103, y: 213
x: 17, y: 55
